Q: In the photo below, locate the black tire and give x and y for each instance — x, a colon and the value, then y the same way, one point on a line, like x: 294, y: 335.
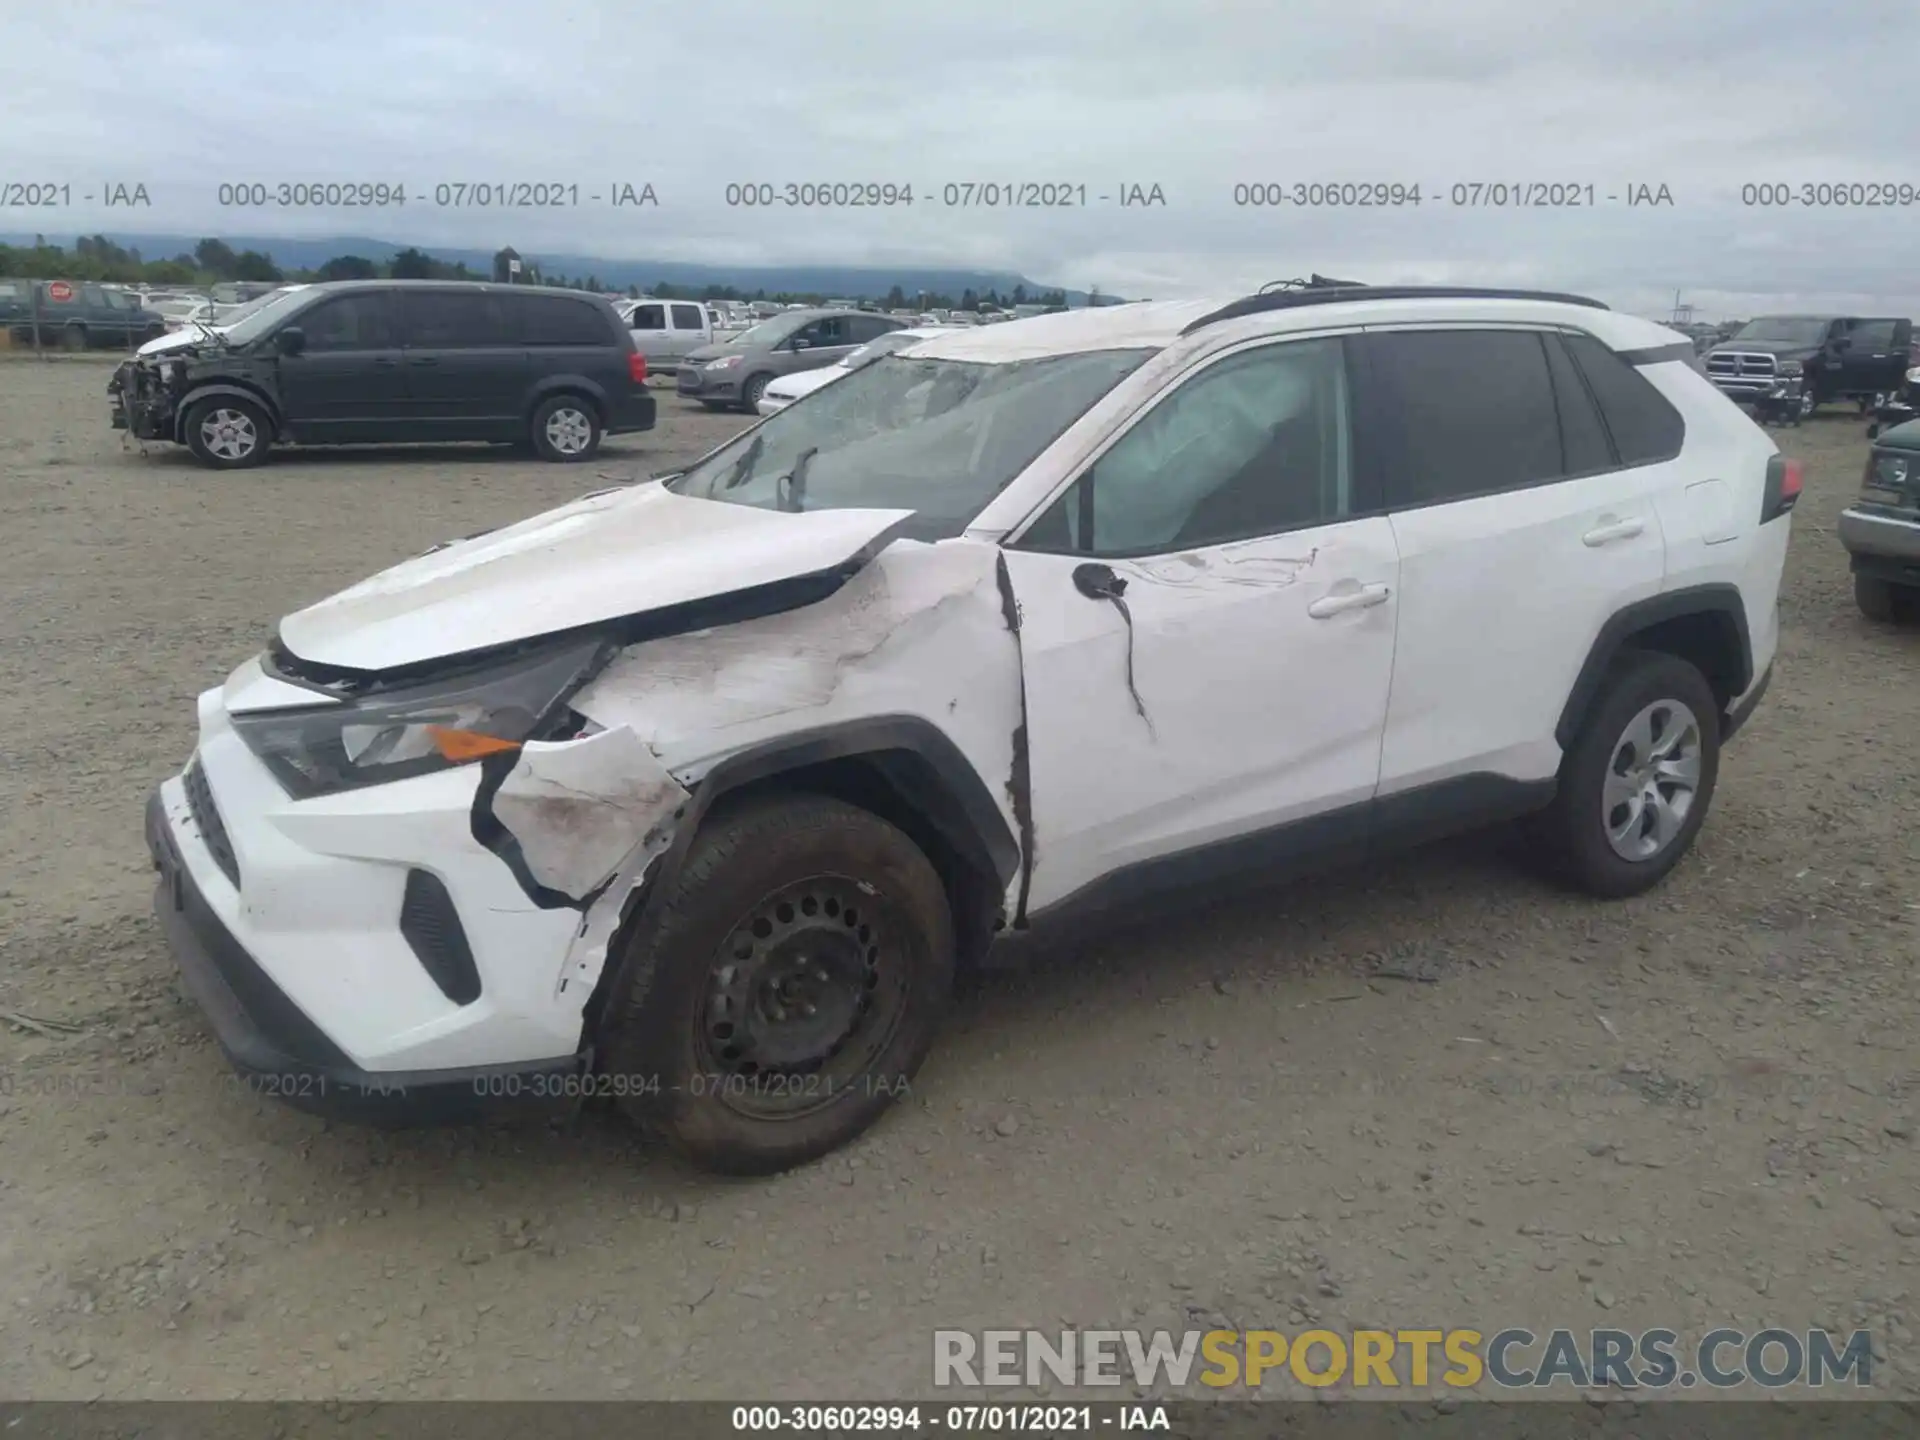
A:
x: 1878, y: 599
x: 217, y: 431
x: 751, y: 392
x: 769, y: 883
x: 1810, y: 401
x: 566, y: 429
x: 714, y: 406
x: 73, y: 338
x: 1574, y: 829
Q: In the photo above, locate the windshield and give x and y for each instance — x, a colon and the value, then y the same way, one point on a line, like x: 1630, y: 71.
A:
x: 938, y: 437
x: 771, y: 332
x: 1784, y: 330
x: 251, y: 320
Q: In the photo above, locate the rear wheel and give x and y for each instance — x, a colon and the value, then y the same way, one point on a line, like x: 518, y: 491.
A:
x: 1637, y: 781
x: 785, y: 988
x: 228, y: 434
x: 74, y: 337
x: 565, y: 429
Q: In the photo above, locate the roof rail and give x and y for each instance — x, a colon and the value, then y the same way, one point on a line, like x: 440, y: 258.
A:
x: 1337, y: 294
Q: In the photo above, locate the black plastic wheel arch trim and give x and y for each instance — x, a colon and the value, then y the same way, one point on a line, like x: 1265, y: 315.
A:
x: 1719, y: 600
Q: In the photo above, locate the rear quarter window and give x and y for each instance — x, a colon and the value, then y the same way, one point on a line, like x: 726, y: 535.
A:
x: 561, y: 320
x: 1645, y: 427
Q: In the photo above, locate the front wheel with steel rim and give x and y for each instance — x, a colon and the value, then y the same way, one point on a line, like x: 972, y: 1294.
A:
x: 1636, y: 783
x: 228, y: 433
x: 566, y: 429
x: 782, y: 988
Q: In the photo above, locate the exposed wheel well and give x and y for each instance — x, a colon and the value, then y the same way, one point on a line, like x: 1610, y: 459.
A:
x: 1705, y: 625
x: 231, y: 391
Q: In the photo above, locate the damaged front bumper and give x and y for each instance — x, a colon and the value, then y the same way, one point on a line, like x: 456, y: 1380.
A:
x: 143, y: 397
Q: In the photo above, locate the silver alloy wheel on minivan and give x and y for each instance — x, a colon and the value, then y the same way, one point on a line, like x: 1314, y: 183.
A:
x: 569, y: 430
x: 229, y: 434
x: 1651, y: 784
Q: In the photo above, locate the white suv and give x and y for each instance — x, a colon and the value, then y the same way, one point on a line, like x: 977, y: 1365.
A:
x: 695, y: 794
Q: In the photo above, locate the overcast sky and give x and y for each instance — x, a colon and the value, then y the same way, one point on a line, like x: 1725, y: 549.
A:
x: 1195, y: 97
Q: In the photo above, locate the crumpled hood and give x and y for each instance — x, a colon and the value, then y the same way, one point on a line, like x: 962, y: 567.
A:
x: 604, y: 557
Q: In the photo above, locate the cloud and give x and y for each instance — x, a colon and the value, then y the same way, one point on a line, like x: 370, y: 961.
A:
x: 1196, y: 98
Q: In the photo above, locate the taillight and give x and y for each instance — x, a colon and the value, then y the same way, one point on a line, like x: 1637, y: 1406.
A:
x: 1784, y: 478
x: 637, y: 367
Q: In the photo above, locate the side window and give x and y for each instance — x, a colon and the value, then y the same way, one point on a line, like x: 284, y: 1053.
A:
x: 871, y: 327
x: 1254, y: 445
x: 686, y: 317
x: 1645, y: 427
x: 554, y: 320
x: 1475, y: 412
x: 1872, y: 337
x: 352, y: 322
x: 831, y: 331
x: 453, y: 320
x: 648, y: 317
x: 94, y: 296
x: 1583, y: 439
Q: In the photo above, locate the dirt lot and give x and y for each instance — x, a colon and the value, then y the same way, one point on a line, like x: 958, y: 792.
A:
x: 1442, y: 1094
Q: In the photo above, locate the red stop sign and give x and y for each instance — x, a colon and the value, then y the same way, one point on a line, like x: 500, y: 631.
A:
x: 60, y: 290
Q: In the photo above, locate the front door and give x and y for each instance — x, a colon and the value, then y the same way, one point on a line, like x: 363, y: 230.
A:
x: 1876, y: 356
x: 345, y: 385
x: 1207, y: 632
x: 466, y: 367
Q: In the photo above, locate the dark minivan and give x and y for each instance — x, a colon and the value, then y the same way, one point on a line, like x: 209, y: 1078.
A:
x: 395, y: 362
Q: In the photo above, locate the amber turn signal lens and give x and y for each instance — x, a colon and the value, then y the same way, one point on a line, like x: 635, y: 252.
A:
x: 462, y: 745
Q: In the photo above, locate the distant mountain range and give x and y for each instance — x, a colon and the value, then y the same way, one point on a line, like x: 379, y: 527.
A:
x: 852, y: 282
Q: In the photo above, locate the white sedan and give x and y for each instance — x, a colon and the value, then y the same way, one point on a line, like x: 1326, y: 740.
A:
x: 784, y: 391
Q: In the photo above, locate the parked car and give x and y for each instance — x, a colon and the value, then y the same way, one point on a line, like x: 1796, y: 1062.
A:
x: 736, y: 372
x: 369, y: 361
x: 1900, y: 406
x: 697, y: 793
x: 667, y: 331
x: 239, y: 292
x: 1881, y: 530
x: 76, y: 314
x: 784, y: 391
x: 1789, y: 365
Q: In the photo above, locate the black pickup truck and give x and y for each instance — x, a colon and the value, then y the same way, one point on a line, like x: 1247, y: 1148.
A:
x: 1787, y: 366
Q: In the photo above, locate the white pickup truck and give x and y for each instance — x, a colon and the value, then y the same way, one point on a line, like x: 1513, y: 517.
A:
x: 667, y: 331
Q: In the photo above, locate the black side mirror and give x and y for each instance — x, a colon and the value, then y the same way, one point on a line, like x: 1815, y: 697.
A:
x: 1098, y: 582
x: 290, y: 341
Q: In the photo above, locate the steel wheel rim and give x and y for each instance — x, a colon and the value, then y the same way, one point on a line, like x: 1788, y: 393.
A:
x: 804, y: 995
x: 1806, y: 404
x: 229, y: 434
x: 1653, y: 781
x: 568, y: 431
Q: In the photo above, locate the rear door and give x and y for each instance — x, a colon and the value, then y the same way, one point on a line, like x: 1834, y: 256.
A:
x: 466, y: 368
x: 690, y: 330
x: 648, y: 324
x: 1518, y: 538
x: 569, y: 337
x: 1876, y: 356
x: 346, y: 384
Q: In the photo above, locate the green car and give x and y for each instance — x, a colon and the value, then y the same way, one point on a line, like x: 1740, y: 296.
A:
x: 1881, y: 530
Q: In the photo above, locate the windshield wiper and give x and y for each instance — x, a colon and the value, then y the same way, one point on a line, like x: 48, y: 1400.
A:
x: 744, y: 465
x: 795, y: 482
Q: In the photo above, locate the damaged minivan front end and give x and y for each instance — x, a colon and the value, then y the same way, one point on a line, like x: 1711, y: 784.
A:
x: 144, y: 393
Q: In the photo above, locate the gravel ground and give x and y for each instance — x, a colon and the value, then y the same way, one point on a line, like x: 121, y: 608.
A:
x: 1438, y: 1094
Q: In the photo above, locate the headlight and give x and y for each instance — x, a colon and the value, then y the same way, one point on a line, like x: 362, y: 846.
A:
x: 393, y: 735
x: 1789, y: 367
x: 725, y: 362
x: 1890, y: 470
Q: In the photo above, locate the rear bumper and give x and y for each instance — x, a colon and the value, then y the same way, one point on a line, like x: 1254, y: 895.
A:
x: 278, y: 1052
x: 635, y: 413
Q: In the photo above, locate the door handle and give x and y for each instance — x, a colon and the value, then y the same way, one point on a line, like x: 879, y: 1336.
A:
x: 1338, y: 603
x: 1611, y: 530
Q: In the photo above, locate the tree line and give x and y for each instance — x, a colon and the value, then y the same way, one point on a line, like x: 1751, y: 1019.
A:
x: 211, y: 262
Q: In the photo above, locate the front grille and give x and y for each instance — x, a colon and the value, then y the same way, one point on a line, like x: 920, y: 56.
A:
x: 1737, y: 366
x: 206, y: 818
x: 431, y: 926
